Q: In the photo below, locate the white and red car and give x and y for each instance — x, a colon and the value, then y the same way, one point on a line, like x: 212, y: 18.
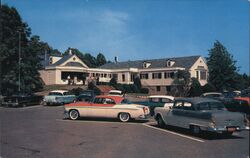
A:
x: 106, y: 106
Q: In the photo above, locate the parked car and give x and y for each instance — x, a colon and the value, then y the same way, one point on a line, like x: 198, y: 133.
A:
x: 22, y: 100
x: 157, y: 101
x: 58, y: 97
x: 105, y: 106
x: 245, y: 96
x: 87, y: 95
x: 116, y: 93
x: 201, y: 114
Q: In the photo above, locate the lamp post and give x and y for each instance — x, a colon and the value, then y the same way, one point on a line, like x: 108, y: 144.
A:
x: 19, y: 61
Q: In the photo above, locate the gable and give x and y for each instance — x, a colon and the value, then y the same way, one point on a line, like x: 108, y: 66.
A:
x: 74, y: 61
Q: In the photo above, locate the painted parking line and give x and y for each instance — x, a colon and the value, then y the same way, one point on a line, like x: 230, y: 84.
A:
x: 100, y: 122
x: 174, y: 133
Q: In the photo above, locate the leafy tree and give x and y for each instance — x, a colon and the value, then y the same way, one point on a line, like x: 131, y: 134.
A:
x: 196, y: 89
x: 222, y: 69
x: 137, y: 82
x: 100, y: 60
x: 181, y: 83
x: 13, y: 33
x: 209, y: 87
x: 113, y: 82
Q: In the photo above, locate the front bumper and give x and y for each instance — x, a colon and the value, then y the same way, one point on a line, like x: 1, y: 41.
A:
x: 10, y: 104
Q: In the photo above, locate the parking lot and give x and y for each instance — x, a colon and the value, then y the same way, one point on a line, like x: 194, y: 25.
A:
x: 41, y: 132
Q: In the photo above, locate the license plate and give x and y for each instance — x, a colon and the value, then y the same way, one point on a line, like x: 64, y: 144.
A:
x: 231, y: 129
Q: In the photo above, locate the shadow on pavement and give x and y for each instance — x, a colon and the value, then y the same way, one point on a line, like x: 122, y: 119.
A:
x: 107, y: 120
x: 202, y: 135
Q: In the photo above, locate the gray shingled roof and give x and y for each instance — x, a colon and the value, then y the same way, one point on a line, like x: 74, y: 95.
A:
x: 74, y: 64
x: 59, y: 62
x: 185, y: 62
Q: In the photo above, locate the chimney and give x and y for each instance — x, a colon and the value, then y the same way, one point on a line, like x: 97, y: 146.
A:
x: 116, y: 59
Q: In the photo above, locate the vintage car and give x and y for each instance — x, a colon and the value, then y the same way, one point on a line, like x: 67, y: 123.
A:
x: 22, y: 100
x: 201, y: 114
x: 58, y: 97
x: 86, y: 95
x: 154, y: 101
x: 106, y: 107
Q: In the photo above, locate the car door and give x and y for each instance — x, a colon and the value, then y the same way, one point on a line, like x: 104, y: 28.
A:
x: 174, y: 116
x: 100, y: 107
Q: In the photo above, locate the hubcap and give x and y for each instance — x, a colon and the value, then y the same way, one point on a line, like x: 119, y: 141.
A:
x: 73, y: 114
x: 124, y: 117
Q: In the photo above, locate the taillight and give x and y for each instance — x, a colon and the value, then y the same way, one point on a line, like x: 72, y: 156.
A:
x: 246, y: 120
x: 145, y: 110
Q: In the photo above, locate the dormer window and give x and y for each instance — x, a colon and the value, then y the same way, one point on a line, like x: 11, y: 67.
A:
x: 170, y: 63
x: 146, y: 64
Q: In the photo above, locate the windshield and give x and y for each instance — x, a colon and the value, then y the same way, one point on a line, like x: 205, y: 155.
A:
x: 126, y: 101
x: 210, y: 106
x: 55, y: 93
x: 89, y: 94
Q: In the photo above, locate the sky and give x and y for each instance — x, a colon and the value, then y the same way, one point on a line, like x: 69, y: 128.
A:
x: 141, y: 29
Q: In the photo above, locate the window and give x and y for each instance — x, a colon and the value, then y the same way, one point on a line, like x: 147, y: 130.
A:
x: 197, y: 75
x: 156, y: 75
x: 203, y: 75
x: 166, y: 100
x: 109, y: 101
x: 115, y: 76
x: 99, y: 100
x: 168, y: 88
x: 187, y: 106
x: 178, y: 105
x: 169, y: 75
x: 105, y: 75
x: 210, y: 106
x: 158, y: 88
x: 146, y: 64
x: 154, y: 100
x: 123, y: 77
x: 144, y: 76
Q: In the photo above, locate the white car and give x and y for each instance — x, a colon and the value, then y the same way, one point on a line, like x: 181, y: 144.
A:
x: 106, y: 107
x: 58, y: 97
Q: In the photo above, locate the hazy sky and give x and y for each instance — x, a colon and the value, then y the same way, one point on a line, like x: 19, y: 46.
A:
x: 141, y: 29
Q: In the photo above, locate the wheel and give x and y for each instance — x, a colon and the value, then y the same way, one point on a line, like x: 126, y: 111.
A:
x: 124, y: 117
x: 74, y: 115
x: 195, y: 129
x: 43, y: 103
x: 160, y: 122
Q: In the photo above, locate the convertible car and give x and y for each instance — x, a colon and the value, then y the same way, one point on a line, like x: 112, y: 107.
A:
x: 106, y: 107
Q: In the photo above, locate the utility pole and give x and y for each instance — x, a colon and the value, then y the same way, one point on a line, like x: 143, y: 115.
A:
x: 19, y: 63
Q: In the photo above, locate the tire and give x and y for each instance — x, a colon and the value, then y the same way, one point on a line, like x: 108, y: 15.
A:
x: 74, y: 115
x: 124, y: 117
x: 195, y: 129
x: 160, y: 122
x: 44, y: 103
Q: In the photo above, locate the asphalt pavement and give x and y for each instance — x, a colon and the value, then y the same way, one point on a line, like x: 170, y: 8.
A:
x: 41, y: 132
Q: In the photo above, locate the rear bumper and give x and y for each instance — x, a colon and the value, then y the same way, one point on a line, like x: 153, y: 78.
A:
x: 228, y: 129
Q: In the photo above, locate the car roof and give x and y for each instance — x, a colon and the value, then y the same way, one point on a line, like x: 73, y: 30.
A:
x: 197, y: 100
x: 59, y: 91
x: 208, y: 93
x: 117, y: 99
x: 162, y: 96
x: 118, y: 91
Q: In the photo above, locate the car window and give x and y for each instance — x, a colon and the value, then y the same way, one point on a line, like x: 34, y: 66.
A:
x: 125, y: 101
x: 187, y: 106
x: 109, y: 101
x: 154, y: 100
x: 210, y: 106
x: 98, y: 100
x: 166, y: 100
x: 55, y: 93
x: 178, y: 105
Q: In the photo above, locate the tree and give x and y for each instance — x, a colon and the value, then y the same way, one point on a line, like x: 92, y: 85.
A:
x: 113, y: 82
x: 209, y: 87
x: 137, y: 83
x: 13, y: 33
x: 196, y: 89
x: 100, y: 60
x: 222, y: 69
x: 181, y: 83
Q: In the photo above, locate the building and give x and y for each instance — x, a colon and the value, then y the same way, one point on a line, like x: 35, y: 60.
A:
x: 155, y: 74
